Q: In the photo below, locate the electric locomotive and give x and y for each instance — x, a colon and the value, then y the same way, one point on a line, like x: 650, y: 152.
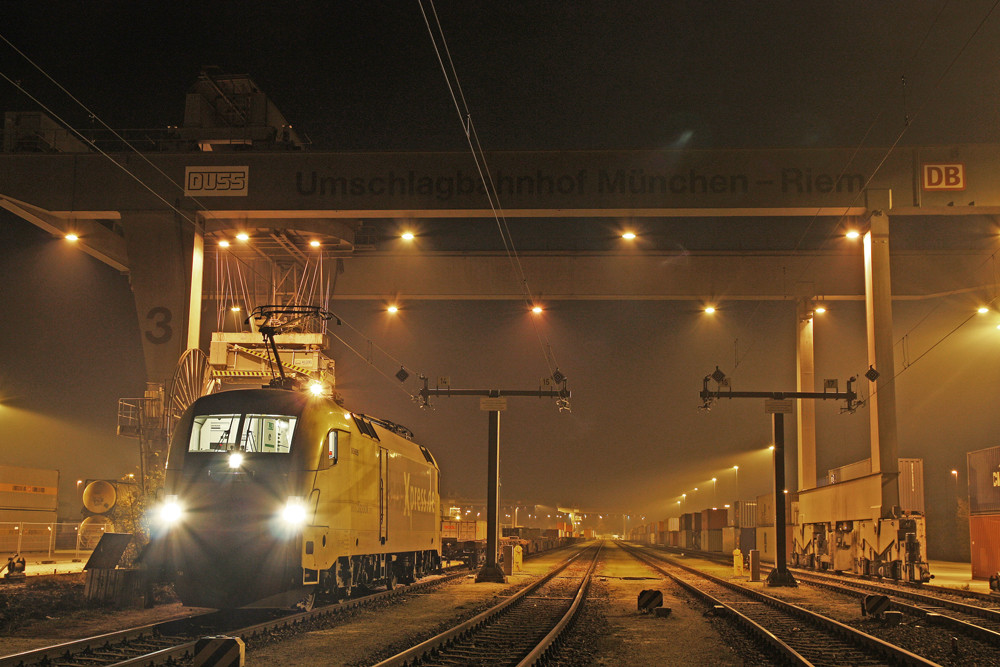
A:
x: 274, y: 496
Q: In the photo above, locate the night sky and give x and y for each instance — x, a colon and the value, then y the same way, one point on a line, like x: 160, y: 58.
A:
x: 559, y: 75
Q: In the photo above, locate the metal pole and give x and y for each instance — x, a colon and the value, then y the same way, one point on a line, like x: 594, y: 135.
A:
x: 491, y: 570
x: 779, y: 576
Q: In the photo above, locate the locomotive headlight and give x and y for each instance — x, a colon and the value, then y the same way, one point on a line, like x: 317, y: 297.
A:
x: 294, y: 512
x: 235, y: 460
x: 171, y: 511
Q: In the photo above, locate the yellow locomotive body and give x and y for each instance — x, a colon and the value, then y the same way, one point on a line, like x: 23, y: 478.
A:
x: 273, y: 496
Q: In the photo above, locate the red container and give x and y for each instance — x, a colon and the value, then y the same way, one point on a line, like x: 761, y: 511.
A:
x: 984, y: 481
x: 984, y: 537
x: 714, y: 519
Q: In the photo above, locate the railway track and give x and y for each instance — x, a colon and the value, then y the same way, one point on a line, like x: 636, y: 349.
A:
x: 791, y: 633
x: 521, y: 630
x: 939, y: 606
x: 173, y: 642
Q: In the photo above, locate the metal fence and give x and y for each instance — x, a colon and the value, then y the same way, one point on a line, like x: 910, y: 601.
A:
x: 24, y: 537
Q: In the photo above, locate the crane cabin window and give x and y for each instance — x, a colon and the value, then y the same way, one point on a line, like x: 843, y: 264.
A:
x: 250, y: 433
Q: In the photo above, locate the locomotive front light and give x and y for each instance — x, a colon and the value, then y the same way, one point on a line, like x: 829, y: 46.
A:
x: 235, y: 460
x: 294, y: 513
x: 171, y: 511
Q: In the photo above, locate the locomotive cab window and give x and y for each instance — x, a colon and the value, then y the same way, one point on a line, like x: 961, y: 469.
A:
x: 268, y: 433
x: 214, y: 433
x: 250, y: 433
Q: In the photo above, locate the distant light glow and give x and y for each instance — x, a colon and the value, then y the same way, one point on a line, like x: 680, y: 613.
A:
x: 983, y: 310
x: 628, y: 236
x: 853, y: 234
x: 224, y: 244
x: 243, y: 236
x: 235, y: 309
x: 393, y: 309
x: 771, y: 448
x: 819, y: 310
x: 314, y: 243
x: 407, y: 236
x: 736, y: 467
x: 536, y: 310
x: 709, y: 309
x: 72, y: 237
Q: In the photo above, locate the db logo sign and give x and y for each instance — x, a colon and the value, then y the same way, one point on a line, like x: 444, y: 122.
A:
x: 944, y: 177
x: 216, y: 181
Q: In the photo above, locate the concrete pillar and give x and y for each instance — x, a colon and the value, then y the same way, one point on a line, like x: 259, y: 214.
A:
x: 160, y: 251
x: 882, y: 392
x: 806, y: 409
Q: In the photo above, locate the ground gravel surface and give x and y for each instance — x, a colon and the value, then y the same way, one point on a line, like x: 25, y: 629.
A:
x: 47, y: 610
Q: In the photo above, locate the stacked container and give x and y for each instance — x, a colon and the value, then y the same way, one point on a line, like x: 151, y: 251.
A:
x: 984, y: 511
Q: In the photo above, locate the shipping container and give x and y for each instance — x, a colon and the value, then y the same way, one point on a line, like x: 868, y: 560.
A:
x: 911, y: 480
x: 687, y: 521
x: 696, y: 518
x: 765, y: 542
x: 748, y: 539
x: 730, y: 534
x: 673, y: 524
x: 765, y: 508
x: 463, y: 531
x: 745, y: 514
x: 711, y: 540
x: 984, y: 537
x: 984, y: 481
x: 686, y: 539
x: 28, y: 494
x: 714, y: 519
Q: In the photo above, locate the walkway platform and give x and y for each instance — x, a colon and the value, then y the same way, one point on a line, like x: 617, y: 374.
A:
x: 956, y: 575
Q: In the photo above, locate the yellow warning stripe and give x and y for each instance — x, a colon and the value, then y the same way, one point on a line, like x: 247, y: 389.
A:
x: 267, y: 357
x: 239, y: 374
x: 27, y: 488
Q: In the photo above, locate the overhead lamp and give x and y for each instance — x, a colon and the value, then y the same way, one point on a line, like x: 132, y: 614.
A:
x: 314, y: 243
x: 224, y: 244
x: 393, y: 309
x: 407, y: 236
x: 235, y: 309
x: 853, y: 234
x: 819, y: 310
x: 316, y: 388
x: 982, y: 310
x: 709, y: 309
x: 72, y: 237
x: 629, y: 236
x: 243, y: 236
x: 536, y: 310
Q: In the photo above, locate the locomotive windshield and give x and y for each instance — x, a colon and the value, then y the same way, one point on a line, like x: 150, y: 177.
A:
x: 248, y: 433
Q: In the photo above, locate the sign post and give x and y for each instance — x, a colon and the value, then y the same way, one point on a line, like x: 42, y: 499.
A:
x: 777, y: 404
x: 494, y: 401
